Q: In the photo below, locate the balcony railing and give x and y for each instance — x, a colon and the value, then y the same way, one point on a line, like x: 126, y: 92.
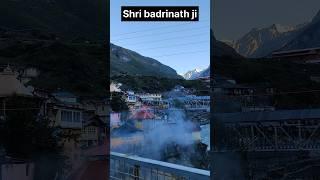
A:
x: 126, y: 167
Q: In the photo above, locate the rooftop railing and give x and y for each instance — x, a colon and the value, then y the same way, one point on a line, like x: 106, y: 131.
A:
x: 126, y: 167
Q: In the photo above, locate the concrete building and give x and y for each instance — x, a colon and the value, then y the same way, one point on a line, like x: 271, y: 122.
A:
x: 94, y: 131
x: 310, y: 55
x: 79, y: 121
x: 11, y: 84
x: 232, y: 97
x: 150, y: 97
x: 131, y: 98
x: 14, y: 169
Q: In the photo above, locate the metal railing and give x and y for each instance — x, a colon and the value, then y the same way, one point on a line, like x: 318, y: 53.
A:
x: 126, y: 167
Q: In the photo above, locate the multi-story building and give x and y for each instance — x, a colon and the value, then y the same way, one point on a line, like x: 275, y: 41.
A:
x: 131, y: 98
x: 309, y: 55
x: 150, y: 97
x: 79, y: 122
x: 11, y: 169
x: 94, y: 132
x: 12, y: 87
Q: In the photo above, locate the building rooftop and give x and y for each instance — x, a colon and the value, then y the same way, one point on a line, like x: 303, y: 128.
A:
x: 143, y: 113
x: 65, y: 97
x: 295, y: 51
x: 94, y: 121
x: 179, y: 169
x: 268, y: 115
x: 63, y: 94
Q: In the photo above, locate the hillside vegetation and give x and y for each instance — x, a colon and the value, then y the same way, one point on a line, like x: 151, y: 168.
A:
x: 125, y: 61
x: 152, y: 84
x: 80, y: 68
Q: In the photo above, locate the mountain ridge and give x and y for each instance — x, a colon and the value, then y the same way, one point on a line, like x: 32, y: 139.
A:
x: 308, y: 38
x: 196, y: 74
x: 125, y: 61
x: 261, y: 42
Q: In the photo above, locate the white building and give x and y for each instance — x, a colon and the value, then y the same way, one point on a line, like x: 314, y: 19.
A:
x: 66, y: 112
x: 150, y: 97
x: 131, y: 97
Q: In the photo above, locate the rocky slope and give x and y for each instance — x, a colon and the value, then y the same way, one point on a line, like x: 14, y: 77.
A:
x: 262, y: 42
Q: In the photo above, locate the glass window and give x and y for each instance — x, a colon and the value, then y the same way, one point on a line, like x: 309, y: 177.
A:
x: 69, y: 116
x: 76, y: 117
x: 66, y: 116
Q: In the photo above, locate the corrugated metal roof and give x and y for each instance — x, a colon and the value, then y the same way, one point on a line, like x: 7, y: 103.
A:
x: 268, y: 115
x: 295, y: 50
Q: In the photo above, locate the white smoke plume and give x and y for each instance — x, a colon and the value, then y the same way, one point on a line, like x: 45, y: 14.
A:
x: 177, y: 129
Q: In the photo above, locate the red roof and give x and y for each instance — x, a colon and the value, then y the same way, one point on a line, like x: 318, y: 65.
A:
x: 143, y: 113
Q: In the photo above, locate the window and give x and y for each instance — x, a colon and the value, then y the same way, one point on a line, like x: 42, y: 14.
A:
x: 91, y: 130
x: 76, y: 117
x: 69, y: 116
x: 66, y: 116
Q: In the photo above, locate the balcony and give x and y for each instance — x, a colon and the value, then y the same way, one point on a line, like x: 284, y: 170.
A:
x: 75, y: 125
x: 126, y: 167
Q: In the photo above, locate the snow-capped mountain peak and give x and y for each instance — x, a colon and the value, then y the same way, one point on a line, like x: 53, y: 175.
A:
x: 193, y: 74
x: 198, y: 70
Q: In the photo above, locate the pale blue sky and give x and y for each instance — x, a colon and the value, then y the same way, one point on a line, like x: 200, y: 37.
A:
x: 181, y: 45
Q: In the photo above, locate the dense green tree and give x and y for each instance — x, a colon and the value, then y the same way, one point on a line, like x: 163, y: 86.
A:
x: 25, y: 135
x: 117, y: 103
